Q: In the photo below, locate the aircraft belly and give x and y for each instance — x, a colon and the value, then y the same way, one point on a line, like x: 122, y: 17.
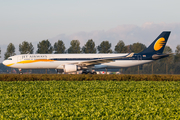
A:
x: 125, y: 63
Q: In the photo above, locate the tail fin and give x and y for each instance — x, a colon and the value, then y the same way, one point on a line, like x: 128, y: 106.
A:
x: 158, y: 44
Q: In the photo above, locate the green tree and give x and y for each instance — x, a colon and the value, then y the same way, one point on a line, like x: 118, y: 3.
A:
x: 89, y: 47
x: 177, y: 54
x: 167, y: 50
x: 129, y: 48
x: 75, y: 47
x: 104, y: 47
x: 138, y: 47
x: 44, y: 47
x: 120, y: 47
x: 59, y: 47
x: 176, y: 67
x: 10, y: 51
x: 168, y: 61
x: 26, y: 48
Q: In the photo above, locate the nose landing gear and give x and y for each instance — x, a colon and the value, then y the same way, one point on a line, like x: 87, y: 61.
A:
x: 20, y: 72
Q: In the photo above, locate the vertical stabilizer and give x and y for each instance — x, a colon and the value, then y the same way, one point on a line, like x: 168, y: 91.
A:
x: 158, y: 44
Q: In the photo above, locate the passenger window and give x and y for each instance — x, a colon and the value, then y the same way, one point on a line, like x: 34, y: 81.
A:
x: 9, y: 59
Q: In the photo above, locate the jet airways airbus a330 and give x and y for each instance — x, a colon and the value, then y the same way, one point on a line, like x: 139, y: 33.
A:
x: 88, y: 62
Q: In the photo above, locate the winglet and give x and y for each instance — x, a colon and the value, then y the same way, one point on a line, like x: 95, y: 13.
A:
x: 130, y: 55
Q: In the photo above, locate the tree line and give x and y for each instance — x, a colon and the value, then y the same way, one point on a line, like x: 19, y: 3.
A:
x: 169, y: 65
x: 45, y: 47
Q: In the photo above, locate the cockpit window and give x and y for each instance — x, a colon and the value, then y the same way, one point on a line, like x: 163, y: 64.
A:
x: 9, y: 59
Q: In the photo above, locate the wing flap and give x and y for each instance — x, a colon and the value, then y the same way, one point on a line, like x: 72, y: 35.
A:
x: 102, y: 60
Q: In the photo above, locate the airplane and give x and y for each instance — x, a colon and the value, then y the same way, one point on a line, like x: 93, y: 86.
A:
x: 89, y: 62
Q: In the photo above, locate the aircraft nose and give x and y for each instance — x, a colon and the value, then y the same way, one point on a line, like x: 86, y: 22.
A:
x: 4, y: 62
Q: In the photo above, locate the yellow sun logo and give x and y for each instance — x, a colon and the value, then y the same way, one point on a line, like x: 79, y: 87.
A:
x: 159, y: 44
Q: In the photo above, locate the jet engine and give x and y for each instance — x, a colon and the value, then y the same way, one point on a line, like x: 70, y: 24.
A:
x: 71, y: 68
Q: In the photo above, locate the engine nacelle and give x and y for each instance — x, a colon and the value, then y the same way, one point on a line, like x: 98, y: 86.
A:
x: 70, y: 68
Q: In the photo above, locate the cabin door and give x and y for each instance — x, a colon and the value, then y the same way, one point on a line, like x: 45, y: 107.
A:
x: 18, y: 58
x: 139, y: 57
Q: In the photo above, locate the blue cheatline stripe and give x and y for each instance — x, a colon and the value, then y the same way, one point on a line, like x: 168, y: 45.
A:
x: 61, y: 59
x: 84, y: 59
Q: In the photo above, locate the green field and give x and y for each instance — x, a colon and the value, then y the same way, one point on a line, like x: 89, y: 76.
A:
x: 90, y: 100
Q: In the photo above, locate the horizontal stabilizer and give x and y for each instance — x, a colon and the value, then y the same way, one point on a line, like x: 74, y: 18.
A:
x: 160, y: 56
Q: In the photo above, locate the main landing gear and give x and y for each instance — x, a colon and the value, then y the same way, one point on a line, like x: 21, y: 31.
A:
x: 59, y: 71
x: 88, y: 72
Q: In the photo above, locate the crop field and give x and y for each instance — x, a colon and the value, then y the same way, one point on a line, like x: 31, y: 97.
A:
x: 89, y: 99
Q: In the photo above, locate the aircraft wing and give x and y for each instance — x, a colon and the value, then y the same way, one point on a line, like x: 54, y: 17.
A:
x: 100, y: 61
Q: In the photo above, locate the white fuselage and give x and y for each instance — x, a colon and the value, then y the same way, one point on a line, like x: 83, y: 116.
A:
x: 56, y: 61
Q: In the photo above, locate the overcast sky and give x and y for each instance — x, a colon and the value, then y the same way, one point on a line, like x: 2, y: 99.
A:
x: 113, y: 20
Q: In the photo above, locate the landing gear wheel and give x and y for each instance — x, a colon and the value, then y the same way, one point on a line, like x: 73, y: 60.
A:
x: 88, y: 72
x: 59, y: 71
x: 20, y: 71
x: 84, y: 72
x: 94, y: 73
